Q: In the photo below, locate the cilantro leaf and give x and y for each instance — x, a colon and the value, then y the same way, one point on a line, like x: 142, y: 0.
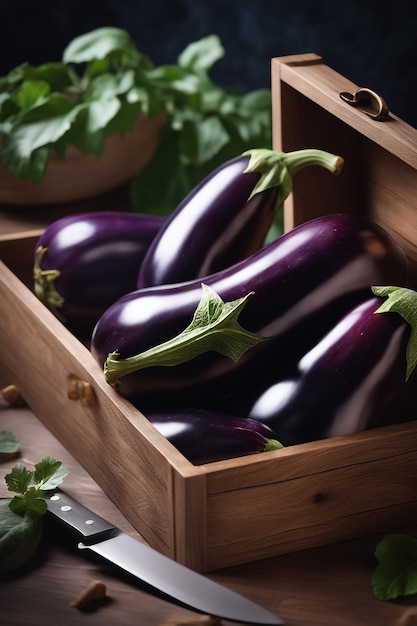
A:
x: 19, y: 479
x: 396, y: 573
x: 21, y: 517
x: 214, y: 327
x: 49, y: 473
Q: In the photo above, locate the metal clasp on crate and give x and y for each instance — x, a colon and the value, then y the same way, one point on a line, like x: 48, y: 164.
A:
x: 369, y: 103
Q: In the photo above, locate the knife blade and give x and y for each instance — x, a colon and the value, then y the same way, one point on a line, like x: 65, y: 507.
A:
x: 175, y: 581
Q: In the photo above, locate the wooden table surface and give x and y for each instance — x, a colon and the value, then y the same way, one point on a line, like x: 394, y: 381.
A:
x: 324, y: 586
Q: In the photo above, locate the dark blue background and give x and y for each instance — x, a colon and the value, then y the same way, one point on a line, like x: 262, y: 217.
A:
x: 371, y: 43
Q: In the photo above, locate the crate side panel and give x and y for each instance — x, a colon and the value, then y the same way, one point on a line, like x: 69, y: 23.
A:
x: 111, y: 439
x: 310, y: 459
x: 391, y: 199
x: 323, y: 85
x: 312, y: 510
x: 297, y: 539
x: 300, y: 123
x: 307, y: 112
x: 17, y: 252
x: 190, y: 501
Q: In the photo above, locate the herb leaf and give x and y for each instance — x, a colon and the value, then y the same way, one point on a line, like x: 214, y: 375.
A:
x: 9, y: 443
x: 19, y: 479
x: 201, y: 55
x: 214, y: 327
x: 31, y: 484
x: 19, y: 537
x: 97, y: 44
x: 21, y: 516
x: 396, y: 573
x: 403, y: 301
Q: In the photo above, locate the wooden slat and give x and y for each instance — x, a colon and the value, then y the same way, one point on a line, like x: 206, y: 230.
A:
x: 111, y: 439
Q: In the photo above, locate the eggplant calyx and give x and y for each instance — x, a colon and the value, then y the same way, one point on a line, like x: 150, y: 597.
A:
x: 277, y: 168
x: 214, y: 327
x: 272, y: 444
x: 403, y: 301
x: 44, y: 285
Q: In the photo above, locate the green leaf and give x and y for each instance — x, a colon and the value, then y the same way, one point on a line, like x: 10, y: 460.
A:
x: 108, y: 86
x: 19, y: 537
x: 404, y: 302
x: 30, y: 485
x: 19, y: 479
x: 56, y: 75
x: 201, y: 55
x: 396, y: 573
x: 200, y: 143
x: 214, y: 327
x: 31, y: 93
x: 9, y: 443
x: 49, y: 473
x: 41, y: 127
x: 100, y: 113
x: 21, y: 516
x: 96, y: 44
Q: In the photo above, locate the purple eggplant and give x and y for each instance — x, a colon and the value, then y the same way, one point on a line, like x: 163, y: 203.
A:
x: 84, y: 262
x: 302, y: 283
x: 227, y: 216
x: 346, y: 383
x: 206, y: 436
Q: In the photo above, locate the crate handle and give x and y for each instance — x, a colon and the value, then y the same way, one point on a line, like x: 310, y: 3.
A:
x: 369, y: 102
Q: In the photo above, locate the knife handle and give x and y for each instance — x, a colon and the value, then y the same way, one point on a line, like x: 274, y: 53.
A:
x: 78, y: 518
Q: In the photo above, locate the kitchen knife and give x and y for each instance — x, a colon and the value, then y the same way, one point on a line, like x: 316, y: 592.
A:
x: 163, y: 574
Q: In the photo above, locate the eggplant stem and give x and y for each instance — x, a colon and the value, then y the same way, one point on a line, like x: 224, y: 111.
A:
x: 44, y: 285
x: 272, y: 444
x: 214, y: 327
x: 277, y: 168
x: 299, y: 159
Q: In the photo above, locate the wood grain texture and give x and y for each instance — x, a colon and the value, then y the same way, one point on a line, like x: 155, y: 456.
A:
x: 286, y: 500
x: 308, y: 112
x: 239, y: 510
x: 324, y: 586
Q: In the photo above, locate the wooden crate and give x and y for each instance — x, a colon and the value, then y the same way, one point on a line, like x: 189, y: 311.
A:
x: 235, y: 511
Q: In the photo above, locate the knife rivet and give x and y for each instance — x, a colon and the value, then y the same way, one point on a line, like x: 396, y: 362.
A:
x: 66, y: 508
x: 55, y: 497
x: 89, y: 521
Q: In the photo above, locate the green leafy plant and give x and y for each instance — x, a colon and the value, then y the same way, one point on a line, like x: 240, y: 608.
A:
x: 102, y: 84
x: 21, y: 517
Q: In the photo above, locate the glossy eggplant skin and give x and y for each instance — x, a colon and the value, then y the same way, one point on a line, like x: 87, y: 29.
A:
x: 346, y: 383
x: 97, y: 256
x: 206, y: 436
x: 216, y: 225
x: 303, y: 283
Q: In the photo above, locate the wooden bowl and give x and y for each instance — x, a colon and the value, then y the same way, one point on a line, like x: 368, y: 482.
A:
x: 80, y: 176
